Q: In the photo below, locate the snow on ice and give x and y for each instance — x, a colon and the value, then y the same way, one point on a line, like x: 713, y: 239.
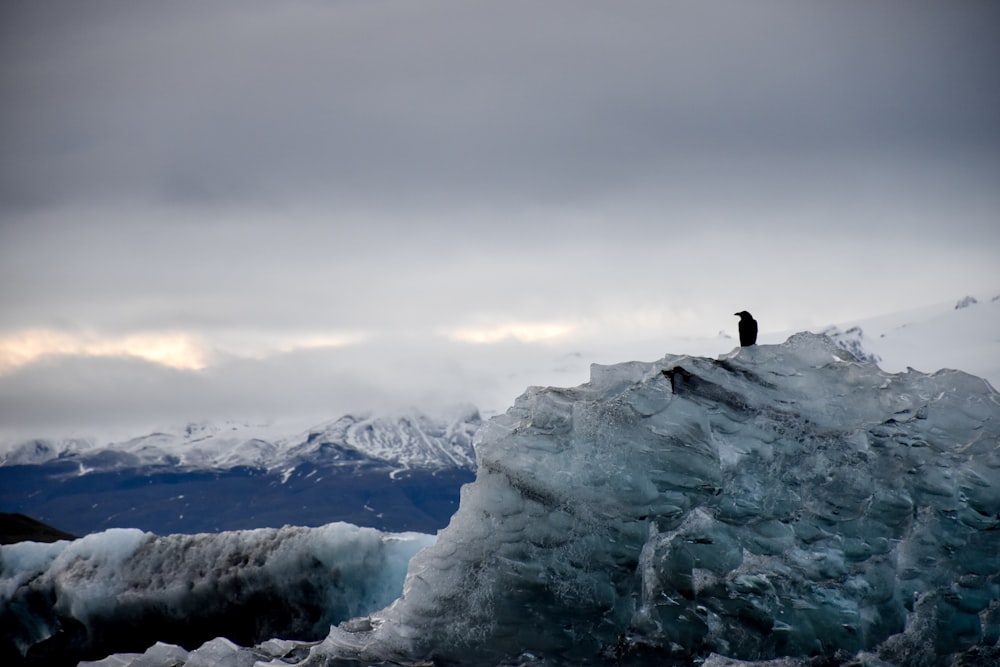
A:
x: 784, y: 500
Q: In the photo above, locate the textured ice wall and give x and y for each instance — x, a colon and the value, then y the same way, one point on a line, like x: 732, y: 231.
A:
x: 786, y: 500
x: 124, y: 589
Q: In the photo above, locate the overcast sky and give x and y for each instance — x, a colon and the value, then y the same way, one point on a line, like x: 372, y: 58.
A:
x: 259, y: 209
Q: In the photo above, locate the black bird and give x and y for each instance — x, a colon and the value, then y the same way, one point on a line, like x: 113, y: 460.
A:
x: 748, y: 329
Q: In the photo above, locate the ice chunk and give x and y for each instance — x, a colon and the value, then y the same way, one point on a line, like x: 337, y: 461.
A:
x: 124, y: 590
x: 158, y: 655
x: 787, y: 500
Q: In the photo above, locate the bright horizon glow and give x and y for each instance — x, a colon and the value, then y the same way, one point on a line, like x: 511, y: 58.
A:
x: 179, y: 350
x: 173, y: 349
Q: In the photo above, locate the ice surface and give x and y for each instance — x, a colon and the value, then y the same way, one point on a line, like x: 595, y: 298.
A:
x: 123, y: 590
x: 785, y: 500
x: 941, y: 336
x: 781, y: 502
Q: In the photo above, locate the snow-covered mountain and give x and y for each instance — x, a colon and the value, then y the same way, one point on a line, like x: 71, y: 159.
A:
x: 410, y: 440
x: 400, y: 472
x: 782, y: 502
x: 414, y: 440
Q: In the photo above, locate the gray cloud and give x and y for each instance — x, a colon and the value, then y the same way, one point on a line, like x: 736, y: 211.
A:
x: 98, y: 395
x: 440, y: 100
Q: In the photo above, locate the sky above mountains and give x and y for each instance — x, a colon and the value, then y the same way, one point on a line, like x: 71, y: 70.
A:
x: 322, y: 201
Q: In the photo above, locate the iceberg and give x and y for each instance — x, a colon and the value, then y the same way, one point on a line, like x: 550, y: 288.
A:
x: 124, y: 589
x: 785, y: 500
x: 777, y: 505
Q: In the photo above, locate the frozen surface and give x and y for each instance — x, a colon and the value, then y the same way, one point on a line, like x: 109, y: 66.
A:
x: 124, y: 589
x: 963, y: 335
x: 785, y: 500
x: 780, y: 503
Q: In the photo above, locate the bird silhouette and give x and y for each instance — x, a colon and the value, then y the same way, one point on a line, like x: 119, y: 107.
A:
x: 748, y: 329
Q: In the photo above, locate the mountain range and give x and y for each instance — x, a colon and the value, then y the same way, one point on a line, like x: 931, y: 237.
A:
x: 393, y: 473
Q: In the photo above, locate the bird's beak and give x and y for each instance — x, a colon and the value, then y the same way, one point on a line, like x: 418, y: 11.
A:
x: 736, y: 314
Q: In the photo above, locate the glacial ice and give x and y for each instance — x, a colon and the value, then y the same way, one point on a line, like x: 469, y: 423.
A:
x: 124, y: 589
x: 783, y: 501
